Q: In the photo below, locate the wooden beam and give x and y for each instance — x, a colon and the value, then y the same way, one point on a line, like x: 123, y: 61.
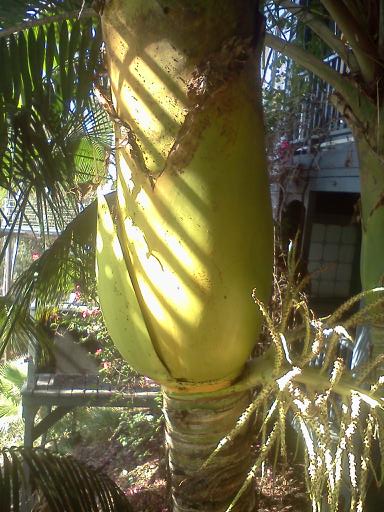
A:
x: 48, y: 421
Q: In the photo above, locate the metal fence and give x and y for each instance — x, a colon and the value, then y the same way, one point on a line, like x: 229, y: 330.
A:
x: 32, y: 221
x: 317, y: 116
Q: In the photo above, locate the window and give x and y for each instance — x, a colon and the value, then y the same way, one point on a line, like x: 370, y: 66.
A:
x: 333, y: 247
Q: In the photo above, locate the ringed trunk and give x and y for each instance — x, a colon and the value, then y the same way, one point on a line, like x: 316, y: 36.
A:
x: 192, y: 235
x: 193, y: 429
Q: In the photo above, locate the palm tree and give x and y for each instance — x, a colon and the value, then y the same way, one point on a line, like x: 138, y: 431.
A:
x: 250, y: 197
x: 353, y: 30
x: 176, y: 262
x: 55, y: 141
x: 58, y: 483
x: 181, y: 90
x: 54, y: 145
x: 175, y: 278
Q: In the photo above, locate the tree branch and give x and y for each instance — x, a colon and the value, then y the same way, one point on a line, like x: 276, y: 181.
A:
x: 381, y: 30
x: 351, y: 99
x: 362, y: 46
x: 317, y: 25
x: 353, y: 96
x: 85, y: 13
x: 313, y: 64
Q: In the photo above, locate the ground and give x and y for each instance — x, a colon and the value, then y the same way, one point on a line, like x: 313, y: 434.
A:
x: 141, y: 472
x: 145, y: 483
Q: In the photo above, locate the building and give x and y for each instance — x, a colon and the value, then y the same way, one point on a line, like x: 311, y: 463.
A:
x: 316, y: 190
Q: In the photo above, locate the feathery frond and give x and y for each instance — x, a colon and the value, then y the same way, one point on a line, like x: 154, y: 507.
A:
x: 12, y: 379
x: 54, y: 138
x: 59, y: 482
x: 69, y: 261
x: 336, y: 414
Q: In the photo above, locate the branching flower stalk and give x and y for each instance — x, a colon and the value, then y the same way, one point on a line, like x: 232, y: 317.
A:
x: 241, y: 423
x: 264, y: 451
x: 336, y: 413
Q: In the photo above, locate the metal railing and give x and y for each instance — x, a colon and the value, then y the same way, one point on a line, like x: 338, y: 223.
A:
x: 31, y: 221
x: 317, y: 116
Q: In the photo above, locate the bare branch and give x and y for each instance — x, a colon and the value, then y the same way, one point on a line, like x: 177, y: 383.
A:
x: 381, y: 29
x: 362, y: 46
x: 352, y: 101
x: 316, y: 23
x: 308, y: 61
x: 85, y: 13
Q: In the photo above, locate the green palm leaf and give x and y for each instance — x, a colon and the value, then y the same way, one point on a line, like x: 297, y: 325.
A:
x: 12, y: 379
x: 70, y: 260
x: 54, y: 138
x: 17, y: 11
x: 63, y: 483
x: 19, y: 329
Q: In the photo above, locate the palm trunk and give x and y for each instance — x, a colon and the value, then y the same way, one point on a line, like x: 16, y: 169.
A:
x: 372, y: 223
x: 193, y: 430
x: 194, y: 227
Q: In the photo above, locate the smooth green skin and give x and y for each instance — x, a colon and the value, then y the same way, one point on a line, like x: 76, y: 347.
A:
x: 121, y: 310
x: 218, y: 211
x: 372, y: 201
x: 200, y: 240
x: 372, y: 243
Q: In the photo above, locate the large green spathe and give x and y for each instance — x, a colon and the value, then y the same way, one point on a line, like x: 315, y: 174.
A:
x: 194, y: 218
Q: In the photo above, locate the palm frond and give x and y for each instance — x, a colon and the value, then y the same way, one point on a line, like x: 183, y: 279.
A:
x: 60, y: 482
x: 69, y: 261
x: 12, y: 379
x: 21, y: 10
x: 19, y: 329
x: 11, y: 376
x: 54, y: 139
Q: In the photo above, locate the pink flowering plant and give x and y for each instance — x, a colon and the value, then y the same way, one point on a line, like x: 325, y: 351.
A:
x: 84, y: 322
